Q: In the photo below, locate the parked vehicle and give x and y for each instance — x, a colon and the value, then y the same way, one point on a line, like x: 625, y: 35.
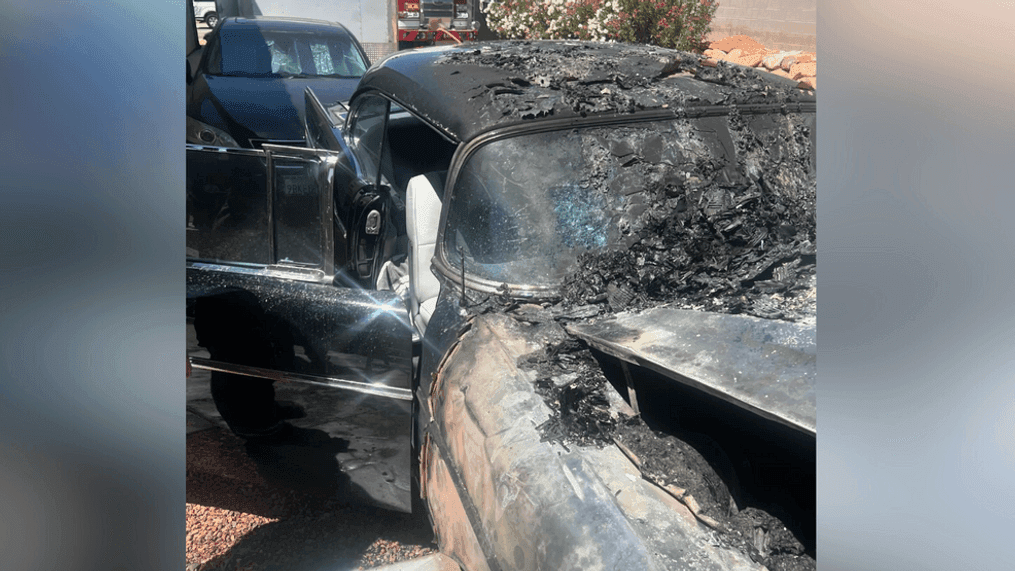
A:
x: 207, y: 12
x: 422, y: 23
x: 370, y: 22
x: 485, y: 280
x: 248, y: 87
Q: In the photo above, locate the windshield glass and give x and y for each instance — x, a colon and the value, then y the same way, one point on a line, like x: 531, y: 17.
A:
x: 524, y: 208
x: 287, y: 54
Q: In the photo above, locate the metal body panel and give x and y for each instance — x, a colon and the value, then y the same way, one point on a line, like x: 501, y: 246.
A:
x: 359, y: 335
x: 349, y: 445
x: 342, y: 355
x: 540, y: 505
x: 456, y: 535
x: 766, y: 366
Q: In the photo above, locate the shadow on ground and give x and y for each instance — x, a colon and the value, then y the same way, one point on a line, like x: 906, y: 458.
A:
x: 298, y: 484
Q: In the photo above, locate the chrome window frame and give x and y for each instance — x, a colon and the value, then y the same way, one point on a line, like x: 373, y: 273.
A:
x: 325, y: 272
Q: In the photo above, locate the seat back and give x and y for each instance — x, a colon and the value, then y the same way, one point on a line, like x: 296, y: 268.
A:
x: 423, y: 214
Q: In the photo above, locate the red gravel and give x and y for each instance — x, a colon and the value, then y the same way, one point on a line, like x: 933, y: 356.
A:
x: 744, y: 50
x: 746, y: 44
x: 237, y: 521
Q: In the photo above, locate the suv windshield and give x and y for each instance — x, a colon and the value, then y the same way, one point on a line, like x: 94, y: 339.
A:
x: 524, y: 208
x: 288, y: 54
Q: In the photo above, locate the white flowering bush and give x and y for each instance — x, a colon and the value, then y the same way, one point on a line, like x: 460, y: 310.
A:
x: 680, y: 24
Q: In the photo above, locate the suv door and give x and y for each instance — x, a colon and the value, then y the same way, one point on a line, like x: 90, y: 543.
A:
x: 313, y: 371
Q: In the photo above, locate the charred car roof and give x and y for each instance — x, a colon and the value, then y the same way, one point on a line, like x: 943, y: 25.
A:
x: 469, y: 89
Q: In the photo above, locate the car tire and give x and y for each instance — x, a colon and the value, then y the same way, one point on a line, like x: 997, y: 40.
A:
x: 211, y: 18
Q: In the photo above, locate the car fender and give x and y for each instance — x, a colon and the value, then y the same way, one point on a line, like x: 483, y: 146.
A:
x: 533, y: 504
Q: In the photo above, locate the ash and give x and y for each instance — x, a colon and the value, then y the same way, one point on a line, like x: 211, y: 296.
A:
x: 571, y: 383
x: 733, y: 236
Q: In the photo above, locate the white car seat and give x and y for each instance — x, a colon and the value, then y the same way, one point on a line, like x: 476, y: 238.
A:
x: 423, y: 209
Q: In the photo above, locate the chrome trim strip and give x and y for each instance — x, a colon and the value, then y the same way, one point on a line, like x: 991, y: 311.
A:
x: 332, y: 382
x: 270, y: 173
x: 464, y: 151
x: 279, y: 142
x: 443, y: 132
x: 300, y: 152
x: 312, y: 275
x: 327, y: 215
x: 318, y: 108
x: 233, y: 150
x: 491, y: 287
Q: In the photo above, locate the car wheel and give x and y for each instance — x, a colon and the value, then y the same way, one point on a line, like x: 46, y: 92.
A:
x: 211, y: 18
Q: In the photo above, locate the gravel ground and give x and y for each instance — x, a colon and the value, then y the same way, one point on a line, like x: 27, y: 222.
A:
x: 237, y: 521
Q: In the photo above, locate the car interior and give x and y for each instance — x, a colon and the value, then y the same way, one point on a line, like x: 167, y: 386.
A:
x: 419, y: 159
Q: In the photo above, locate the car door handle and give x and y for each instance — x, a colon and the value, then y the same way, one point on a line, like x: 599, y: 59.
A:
x: 373, y: 224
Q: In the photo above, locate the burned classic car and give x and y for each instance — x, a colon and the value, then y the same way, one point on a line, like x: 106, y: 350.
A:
x: 560, y: 295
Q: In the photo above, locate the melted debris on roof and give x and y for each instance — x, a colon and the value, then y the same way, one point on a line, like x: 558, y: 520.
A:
x: 543, y: 79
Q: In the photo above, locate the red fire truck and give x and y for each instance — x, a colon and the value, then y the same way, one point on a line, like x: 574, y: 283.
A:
x: 422, y: 23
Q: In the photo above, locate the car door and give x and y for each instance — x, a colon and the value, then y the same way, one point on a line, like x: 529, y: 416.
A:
x: 284, y: 337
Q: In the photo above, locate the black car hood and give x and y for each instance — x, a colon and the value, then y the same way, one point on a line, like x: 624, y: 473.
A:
x: 272, y: 107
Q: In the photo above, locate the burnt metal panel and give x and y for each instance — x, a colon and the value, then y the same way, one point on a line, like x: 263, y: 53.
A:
x: 541, y: 505
x: 765, y: 366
